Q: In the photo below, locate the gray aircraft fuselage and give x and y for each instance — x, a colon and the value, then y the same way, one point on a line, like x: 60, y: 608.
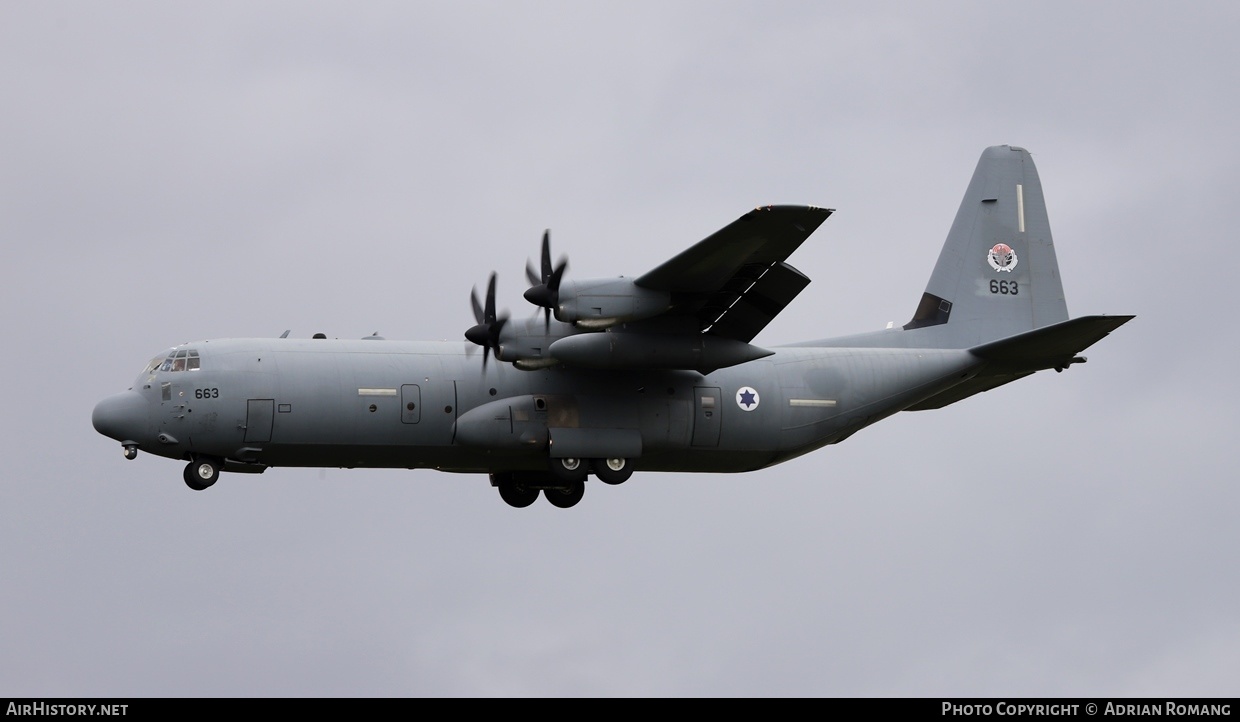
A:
x: 400, y: 404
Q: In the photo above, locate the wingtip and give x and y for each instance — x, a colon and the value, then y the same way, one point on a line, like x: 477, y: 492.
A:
x: 795, y: 209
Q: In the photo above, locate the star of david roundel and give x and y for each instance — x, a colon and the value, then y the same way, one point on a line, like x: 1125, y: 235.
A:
x: 747, y: 398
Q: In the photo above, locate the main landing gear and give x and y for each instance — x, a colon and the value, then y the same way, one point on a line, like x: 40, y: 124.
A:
x: 202, y: 472
x: 608, y: 471
x: 612, y: 471
x: 514, y: 493
x: 565, y: 496
x: 563, y: 485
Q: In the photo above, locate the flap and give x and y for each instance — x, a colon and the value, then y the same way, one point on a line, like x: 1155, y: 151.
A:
x: 747, y: 304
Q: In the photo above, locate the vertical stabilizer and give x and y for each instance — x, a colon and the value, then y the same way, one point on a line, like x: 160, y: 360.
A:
x: 997, y: 275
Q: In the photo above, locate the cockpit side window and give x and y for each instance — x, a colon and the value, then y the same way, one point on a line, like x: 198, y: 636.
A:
x: 148, y: 373
x: 153, y: 366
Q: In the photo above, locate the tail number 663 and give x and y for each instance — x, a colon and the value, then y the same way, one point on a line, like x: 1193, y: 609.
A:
x: 1004, y: 288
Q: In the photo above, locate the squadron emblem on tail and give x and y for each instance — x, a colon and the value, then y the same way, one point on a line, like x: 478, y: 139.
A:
x: 1002, y: 258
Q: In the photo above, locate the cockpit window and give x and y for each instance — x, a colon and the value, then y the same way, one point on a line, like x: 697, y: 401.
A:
x: 153, y: 366
x: 181, y: 360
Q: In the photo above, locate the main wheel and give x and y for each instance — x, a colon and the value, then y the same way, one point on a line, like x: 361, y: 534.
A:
x: 566, y: 496
x: 515, y: 494
x: 570, y: 470
x: 612, y: 471
x: 201, y: 473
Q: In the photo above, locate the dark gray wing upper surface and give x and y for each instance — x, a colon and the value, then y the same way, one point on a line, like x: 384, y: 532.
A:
x: 735, y: 281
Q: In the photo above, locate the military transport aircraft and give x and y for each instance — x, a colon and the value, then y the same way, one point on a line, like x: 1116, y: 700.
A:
x: 653, y: 373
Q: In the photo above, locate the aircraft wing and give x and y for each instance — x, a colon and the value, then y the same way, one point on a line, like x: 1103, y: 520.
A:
x: 735, y: 281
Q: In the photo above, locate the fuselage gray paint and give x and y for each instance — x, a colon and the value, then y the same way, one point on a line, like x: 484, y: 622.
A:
x: 353, y: 404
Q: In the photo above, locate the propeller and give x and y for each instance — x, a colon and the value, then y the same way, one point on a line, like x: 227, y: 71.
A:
x: 545, y: 289
x: 486, y: 332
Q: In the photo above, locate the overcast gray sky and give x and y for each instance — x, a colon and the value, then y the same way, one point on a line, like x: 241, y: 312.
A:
x: 181, y: 171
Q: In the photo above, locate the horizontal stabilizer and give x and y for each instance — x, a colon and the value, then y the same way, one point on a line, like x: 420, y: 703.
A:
x: 1050, y: 346
x: 1018, y: 356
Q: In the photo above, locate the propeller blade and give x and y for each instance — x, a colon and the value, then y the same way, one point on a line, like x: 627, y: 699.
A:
x: 544, y: 290
x: 490, y: 310
x: 486, y: 332
x: 496, y: 329
x: 473, y: 298
x: 553, y: 284
x: 546, y: 255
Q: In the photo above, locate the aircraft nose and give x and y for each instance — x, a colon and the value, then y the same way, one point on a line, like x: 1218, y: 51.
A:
x: 122, y: 416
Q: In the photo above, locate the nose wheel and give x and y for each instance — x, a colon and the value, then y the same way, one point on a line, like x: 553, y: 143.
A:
x: 201, y: 473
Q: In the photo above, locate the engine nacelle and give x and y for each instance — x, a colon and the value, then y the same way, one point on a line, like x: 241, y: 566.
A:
x: 526, y: 342
x: 602, y: 303
x: 627, y: 350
